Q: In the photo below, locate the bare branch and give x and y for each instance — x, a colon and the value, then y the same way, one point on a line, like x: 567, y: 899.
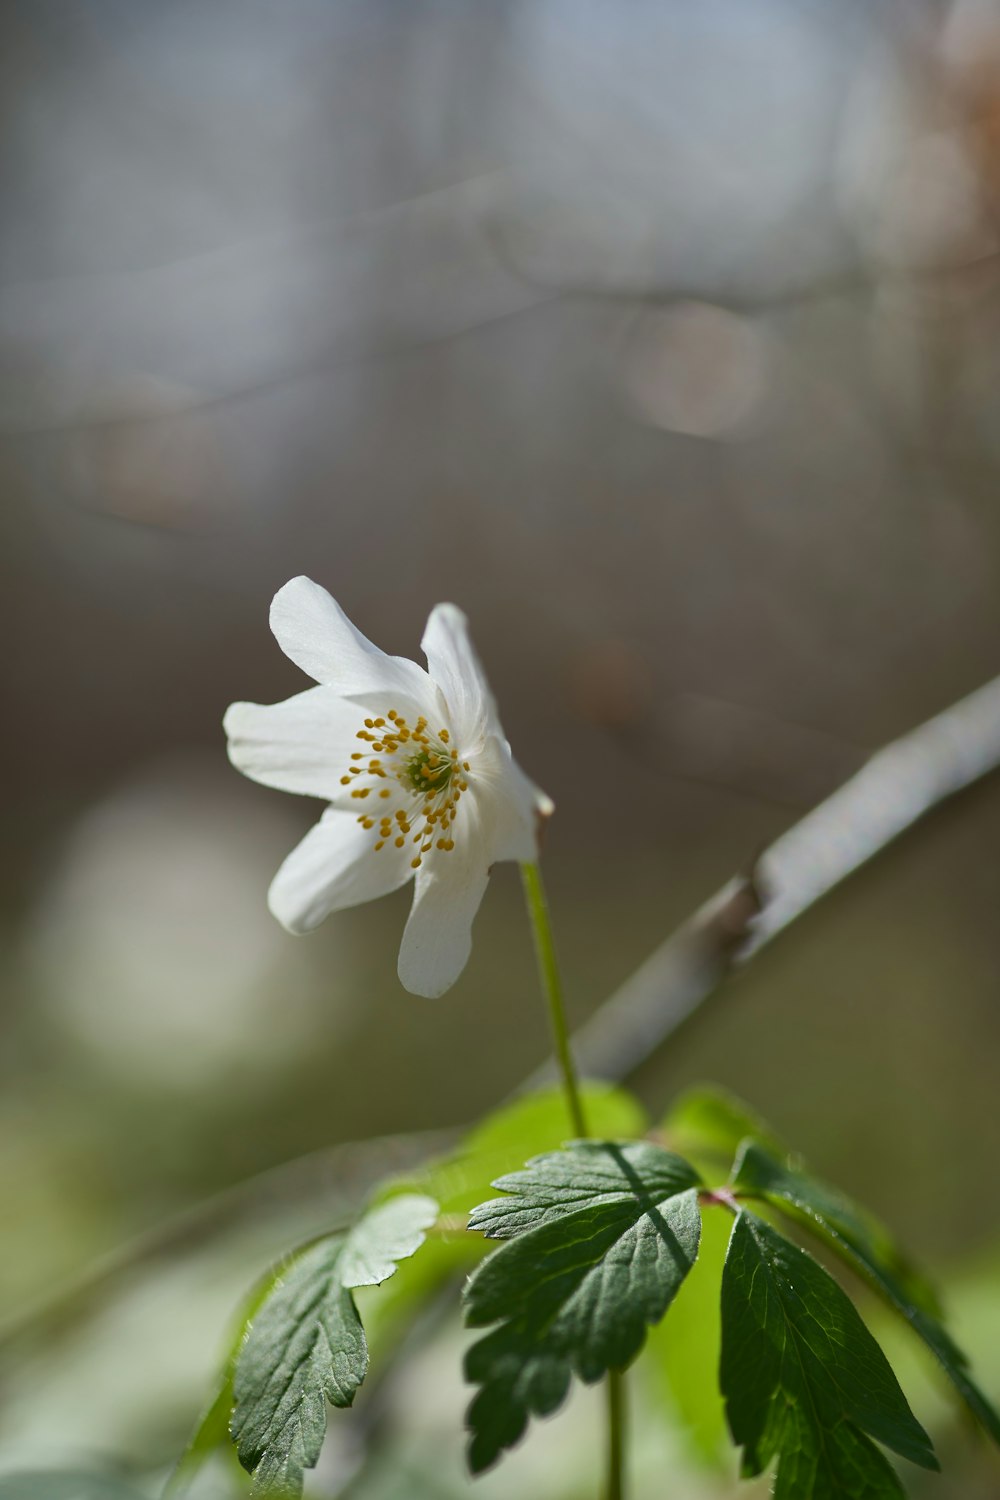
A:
x: 897, y: 787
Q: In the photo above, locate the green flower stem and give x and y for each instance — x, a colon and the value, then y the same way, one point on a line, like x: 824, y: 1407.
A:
x: 548, y: 968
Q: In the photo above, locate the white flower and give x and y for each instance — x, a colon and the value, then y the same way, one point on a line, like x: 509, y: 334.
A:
x: 419, y: 777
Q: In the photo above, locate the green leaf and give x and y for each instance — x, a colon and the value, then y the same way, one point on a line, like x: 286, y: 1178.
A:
x: 306, y: 1346
x: 713, y: 1123
x: 500, y: 1143
x: 64, y: 1484
x: 862, y: 1242
x: 212, y: 1430
x: 803, y: 1379
x: 856, y: 1235
x: 601, y: 1235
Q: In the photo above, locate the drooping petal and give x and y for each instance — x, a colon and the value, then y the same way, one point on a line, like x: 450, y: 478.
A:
x: 438, y: 936
x: 335, y: 866
x: 312, y: 629
x: 512, y: 808
x: 302, y: 745
x: 455, y: 667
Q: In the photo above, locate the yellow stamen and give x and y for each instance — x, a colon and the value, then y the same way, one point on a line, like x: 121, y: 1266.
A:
x: 430, y: 780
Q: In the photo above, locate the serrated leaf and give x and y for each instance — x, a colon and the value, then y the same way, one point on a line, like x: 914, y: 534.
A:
x: 845, y: 1226
x: 306, y: 1346
x: 500, y: 1143
x: 212, y: 1429
x: 803, y: 1379
x: 601, y: 1235
x: 862, y: 1242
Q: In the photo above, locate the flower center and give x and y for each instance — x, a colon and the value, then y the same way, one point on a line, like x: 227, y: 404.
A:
x: 420, y: 771
x: 429, y: 770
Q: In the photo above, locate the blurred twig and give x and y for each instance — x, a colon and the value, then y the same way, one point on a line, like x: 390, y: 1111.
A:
x: 856, y: 276
x: 344, y: 1173
x: 896, y: 787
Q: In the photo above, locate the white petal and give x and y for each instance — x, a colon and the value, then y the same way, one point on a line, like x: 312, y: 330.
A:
x: 511, y: 808
x: 455, y: 667
x: 335, y: 866
x: 449, y: 887
x: 312, y: 629
x: 302, y: 745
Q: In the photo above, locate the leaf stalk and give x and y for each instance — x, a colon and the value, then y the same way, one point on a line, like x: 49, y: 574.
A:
x: 548, y: 969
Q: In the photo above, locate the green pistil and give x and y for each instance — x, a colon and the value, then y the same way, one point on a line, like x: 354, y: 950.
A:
x: 428, y: 771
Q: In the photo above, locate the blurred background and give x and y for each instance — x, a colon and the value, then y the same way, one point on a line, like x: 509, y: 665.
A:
x: 664, y: 339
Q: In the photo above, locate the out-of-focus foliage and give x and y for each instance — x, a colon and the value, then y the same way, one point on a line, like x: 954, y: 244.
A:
x: 305, y: 1345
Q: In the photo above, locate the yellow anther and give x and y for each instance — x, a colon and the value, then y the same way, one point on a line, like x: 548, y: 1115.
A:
x: 465, y: 765
x: 427, y: 774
